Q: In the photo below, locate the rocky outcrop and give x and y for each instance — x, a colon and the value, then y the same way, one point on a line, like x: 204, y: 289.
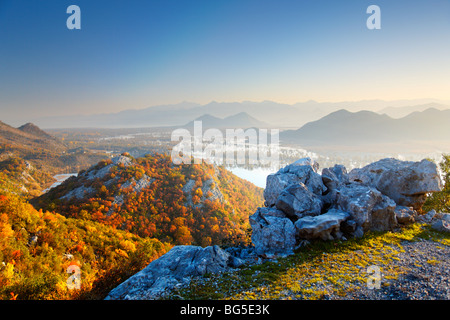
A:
x: 174, y: 268
x: 210, y: 191
x: 96, y: 173
x: 273, y: 233
x: 138, y: 186
x: 438, y: 221
x: 297, y: 201
x: 405, y: 182
x: 405, y: 215
x: 337, y: 204
x: 177, y: 268
x: 302, y: 171
x: 102, y: 172
x: 325, y: 226
x: 368, y: 207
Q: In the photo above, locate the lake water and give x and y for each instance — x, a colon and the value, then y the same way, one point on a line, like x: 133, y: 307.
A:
x: 257, y: 176
x: 60, y: 178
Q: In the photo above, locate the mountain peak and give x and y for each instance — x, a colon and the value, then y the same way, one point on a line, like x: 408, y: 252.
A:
x: 207, y: 117
x: 34, y: 130
x: 240, y: 115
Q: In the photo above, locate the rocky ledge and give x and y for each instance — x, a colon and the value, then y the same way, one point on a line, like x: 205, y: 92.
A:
x: 176, y: 268
x: 302, y: 204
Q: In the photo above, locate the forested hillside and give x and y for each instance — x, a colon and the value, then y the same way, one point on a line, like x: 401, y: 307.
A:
x: 23, y: 177
x: 151, y: 197
x: 37, y: 248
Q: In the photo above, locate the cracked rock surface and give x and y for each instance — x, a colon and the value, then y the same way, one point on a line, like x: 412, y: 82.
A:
x: 172, y: 269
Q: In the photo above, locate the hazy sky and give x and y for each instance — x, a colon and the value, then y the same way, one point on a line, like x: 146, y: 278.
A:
x: 135, y: 54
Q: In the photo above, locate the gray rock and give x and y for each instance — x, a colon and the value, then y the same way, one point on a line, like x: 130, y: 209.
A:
x: 215, y: 191
x: 441, y: 225
x: 335, y: 177
x: 297, y: 201
x: 126, y: 161
x: 405, y: 215
x: 102, y: 172
x: 359, y: 232
x: 370, y: 209
x: 348, y: 226
x: 306, y: 172
x: 210, y: 191
x: 445, y: 217
x: 176, y: 267
x: 139, y: 185
x: 428, y: 217
x: 187, y: 188
x: 275, y: 184
x: 405, y: 182
x: 273, y: 233
x: 358, y: 200
x: 438, y: 220
x: 382, y: 217
x: 305, y: 162
x: 325, y: 226
x: 302, y: 171
x: 78, y: 193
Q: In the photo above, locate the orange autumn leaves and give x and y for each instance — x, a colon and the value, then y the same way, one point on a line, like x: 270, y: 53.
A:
x: 36, y: 249
x: 163, y: 209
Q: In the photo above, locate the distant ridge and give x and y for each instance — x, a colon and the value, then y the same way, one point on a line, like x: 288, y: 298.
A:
x: 280, y: 115
x: 400, y: 112
x: 364, y: 127
x: 239, y: 120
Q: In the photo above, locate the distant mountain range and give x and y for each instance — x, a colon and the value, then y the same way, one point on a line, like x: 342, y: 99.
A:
x: 240, y: 120
x: 275, y: 114
x: 365, y: 127
x: 399, y: 112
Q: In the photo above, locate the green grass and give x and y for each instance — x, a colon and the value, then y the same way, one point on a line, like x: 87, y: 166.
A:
x: 315, y: 271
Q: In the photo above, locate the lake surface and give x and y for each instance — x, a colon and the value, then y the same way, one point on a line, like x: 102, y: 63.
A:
x: 257, y: 176
x: 60, y: 178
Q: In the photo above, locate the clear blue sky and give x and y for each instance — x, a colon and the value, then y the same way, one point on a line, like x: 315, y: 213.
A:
x: 135, y: 54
